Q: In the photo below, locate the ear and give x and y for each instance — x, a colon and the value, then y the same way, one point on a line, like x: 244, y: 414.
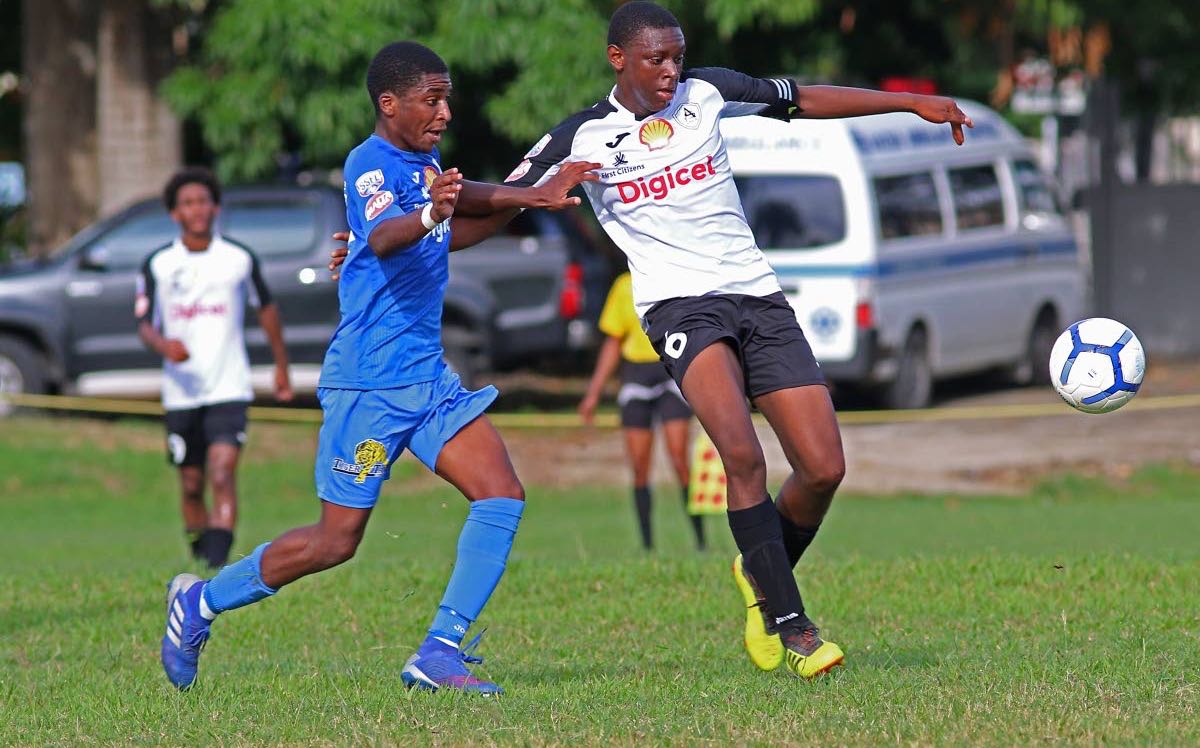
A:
x: 389, y: 105
x: 616, y: 58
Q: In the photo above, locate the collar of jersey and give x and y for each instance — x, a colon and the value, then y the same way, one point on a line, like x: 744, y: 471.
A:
x: 388, y: 144
x: 178, y: 244
x: 621, y: 110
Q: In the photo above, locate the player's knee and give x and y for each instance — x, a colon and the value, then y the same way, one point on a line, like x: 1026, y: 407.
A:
x: 223, y: 480
x: 744, y: 463
x: 827, y: 476
x: 194, y: 494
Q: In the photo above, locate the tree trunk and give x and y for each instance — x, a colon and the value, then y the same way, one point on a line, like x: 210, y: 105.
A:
x: 59, y: 61
x: 139, y: 138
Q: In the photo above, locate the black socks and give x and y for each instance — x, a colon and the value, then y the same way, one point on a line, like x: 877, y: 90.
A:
x: 211, y: 545
x: 641, y: 501
x: 697, y: 523
x: 796, y: 539
x: 758, y: 535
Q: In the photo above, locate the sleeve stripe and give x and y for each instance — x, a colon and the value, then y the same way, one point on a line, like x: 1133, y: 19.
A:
x: 262, y: 295
x: 782, y: 86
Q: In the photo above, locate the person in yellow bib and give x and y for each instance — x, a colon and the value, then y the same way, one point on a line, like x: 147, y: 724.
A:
x: 647, y: 394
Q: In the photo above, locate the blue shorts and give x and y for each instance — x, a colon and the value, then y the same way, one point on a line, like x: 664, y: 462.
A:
x: 365, y: 431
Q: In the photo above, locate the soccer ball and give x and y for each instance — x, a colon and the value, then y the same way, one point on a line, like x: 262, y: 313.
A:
x: 1097, y: 365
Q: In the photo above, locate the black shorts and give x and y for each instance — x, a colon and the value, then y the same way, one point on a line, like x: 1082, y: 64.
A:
x: 762, y: 330
x: 649, y: 394
x: 191, y: 432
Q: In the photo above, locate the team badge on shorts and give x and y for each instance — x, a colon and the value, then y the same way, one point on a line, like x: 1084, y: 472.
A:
x: 370, y: 460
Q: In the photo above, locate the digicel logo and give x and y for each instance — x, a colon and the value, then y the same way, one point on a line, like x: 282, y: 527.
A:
x: 660, y: 185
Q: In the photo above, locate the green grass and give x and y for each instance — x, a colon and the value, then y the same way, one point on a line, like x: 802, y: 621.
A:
x: 1071, y: 615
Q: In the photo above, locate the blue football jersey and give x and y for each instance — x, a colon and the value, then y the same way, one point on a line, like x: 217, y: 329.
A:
x: 390, y: 330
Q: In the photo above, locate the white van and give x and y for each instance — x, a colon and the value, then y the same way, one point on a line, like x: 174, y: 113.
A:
x: 908, y: 258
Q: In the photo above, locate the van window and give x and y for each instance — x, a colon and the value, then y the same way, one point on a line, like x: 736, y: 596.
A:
x: 1032, y: 189
x: 977, y: 199
x: 908, y: 206
x: 793, y: 212
x: 128, y: 243
x: 274, y: 226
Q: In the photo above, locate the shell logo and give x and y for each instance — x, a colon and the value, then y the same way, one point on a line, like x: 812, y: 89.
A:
x: 430, y: 175
x: 656, y: 134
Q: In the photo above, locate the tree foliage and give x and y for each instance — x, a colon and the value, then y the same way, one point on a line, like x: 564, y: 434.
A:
x: 275, y: 77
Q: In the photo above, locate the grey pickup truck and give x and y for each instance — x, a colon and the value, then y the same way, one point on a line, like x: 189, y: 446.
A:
x: 67, y: 325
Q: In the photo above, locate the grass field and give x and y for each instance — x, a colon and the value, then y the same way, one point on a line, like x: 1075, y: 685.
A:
x: 1068, y: 616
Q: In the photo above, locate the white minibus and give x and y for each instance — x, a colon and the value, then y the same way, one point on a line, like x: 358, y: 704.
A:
x: 908, y: 258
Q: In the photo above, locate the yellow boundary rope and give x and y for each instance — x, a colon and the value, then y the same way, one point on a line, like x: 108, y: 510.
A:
x: 607, y: 420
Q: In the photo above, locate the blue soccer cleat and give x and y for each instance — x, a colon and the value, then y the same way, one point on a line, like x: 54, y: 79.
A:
x: 438, y: 665
x: 187, y: 630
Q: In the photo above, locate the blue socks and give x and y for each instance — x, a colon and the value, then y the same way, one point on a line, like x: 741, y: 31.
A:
x: 483, y: 546
x: 236, y: 585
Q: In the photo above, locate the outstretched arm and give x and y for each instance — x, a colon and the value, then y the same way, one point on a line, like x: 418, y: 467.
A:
x: 828, y: 102
x: 484, y: 199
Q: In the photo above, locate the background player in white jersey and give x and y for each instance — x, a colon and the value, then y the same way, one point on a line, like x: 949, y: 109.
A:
x: 710, y: 302
x: 190, y: 309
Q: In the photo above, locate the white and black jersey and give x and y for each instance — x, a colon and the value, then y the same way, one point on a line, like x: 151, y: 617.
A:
x: 666, y: 195
x: 200, y: 299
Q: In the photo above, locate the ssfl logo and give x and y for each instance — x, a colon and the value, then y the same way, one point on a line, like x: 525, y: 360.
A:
x: 369, y: 183
x: 656, y: 134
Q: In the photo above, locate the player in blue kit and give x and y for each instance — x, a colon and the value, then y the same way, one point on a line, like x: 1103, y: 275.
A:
x: 384, y: 386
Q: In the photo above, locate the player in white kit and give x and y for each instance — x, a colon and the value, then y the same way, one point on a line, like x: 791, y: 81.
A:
x: 190, y: 307
x: 708, y: 299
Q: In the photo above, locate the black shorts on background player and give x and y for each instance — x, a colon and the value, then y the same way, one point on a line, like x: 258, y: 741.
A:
x: 648, y: 394
x: 191, y: 432
x: 762, y: 330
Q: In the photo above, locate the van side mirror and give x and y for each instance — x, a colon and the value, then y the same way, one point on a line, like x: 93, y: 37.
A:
x: 94, y: 258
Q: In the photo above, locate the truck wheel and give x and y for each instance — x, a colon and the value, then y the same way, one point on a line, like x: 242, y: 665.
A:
x: 913, y: 385
x: 21, y: 369
x: 1034, y: 368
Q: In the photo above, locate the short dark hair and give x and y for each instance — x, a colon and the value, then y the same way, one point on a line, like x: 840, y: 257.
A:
x: 631, y: 18
x: 191, y: 175
x: 399, y: 66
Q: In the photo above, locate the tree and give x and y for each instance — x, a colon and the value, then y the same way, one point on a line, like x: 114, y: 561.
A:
x: 59, y: 64
x: 279, y: 77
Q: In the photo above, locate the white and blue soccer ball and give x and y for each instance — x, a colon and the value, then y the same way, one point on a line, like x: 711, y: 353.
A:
x: 1097, y: 365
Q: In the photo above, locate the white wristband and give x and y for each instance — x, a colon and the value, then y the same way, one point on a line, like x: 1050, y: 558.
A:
x: 427, y: 217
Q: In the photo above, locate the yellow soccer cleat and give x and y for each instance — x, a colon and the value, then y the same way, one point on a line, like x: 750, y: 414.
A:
x: 764, y: 646
x: 807, y: 655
